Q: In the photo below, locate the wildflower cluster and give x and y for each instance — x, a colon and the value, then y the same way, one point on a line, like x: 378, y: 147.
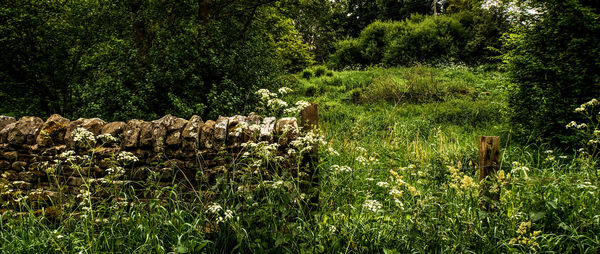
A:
x: 372, y: 205
x: 591, y: 129
x: 115, y: 172
x: 83, y: 136
x: 525, y: 237
x: 126, y: 157
x: 107, y: 138
x: 262, y: 149
x: 460, y: 182
x: 300, y: 105
x: 519, y: 168
x: 307, y: 141
x: 270, y: 102
x: 397, y: 180
x: 333, y: 152
x: 70, y: 157
x: 364, y: 159
x: 338, y: 168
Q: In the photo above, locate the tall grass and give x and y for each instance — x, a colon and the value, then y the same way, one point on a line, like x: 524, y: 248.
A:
x: 395, y: 177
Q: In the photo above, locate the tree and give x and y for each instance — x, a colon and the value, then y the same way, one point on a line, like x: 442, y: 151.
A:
x: 142, y: 59
x: 554, y: 62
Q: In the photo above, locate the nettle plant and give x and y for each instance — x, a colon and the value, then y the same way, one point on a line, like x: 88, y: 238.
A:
x: 589, y: 130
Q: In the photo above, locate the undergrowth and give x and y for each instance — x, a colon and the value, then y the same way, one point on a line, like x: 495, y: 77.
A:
x: 397, y: 175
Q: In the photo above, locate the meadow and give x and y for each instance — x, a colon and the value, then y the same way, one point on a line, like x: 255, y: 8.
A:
x: 398, y: 174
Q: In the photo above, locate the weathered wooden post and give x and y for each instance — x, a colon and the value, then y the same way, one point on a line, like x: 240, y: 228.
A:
x: 310, y: 185
x: 489, y: 163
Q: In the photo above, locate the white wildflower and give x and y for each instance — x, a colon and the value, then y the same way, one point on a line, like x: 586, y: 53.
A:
x: 115, y: 171
x: 265, y: 94
x: 395, y: 192
x: 240, y: 127
x: 127, y: 157
x: 228, y: 214
x: 276, y: 103
x: 291, y: 151
x: 337, y: 168
x: 66, y: 154
x: 592, y: 103
x: 214, y: 208
x: 332, y: 229
x: 333, y: 151
x: 372, y: 205
x: 572, y: 124
x: 284, y: 90
x: 383, y: 184
x: 277, y: 184
x: 107, y: 138
x: 362, y: 160
x: 254, y: 127
x: 399, y: 203
x: 83, y: 135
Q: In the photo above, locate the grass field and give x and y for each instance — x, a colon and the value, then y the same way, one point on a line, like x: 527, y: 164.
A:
x: 398, y: 175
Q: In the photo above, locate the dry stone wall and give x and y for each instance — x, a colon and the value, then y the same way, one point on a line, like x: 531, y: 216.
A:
x: 177, y: 148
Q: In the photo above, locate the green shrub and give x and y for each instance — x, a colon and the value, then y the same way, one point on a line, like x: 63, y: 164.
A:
x: 375, y: 38
x: 432, y: 39
x: 356, y: 95
x: 329, y: 74
x: 310, y: 90
x: 307, y: 74
x: 555, y: 65
x: 320, y: 71
x: 470, y: 36
x: 347, y: 53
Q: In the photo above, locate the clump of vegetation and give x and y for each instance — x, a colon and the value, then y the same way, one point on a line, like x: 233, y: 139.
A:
x: 554, y: 63
x: 418, y: 86
x: 320, y: 71
x: 407, y: 171
x: 462, y: 37
x: 307, y: 74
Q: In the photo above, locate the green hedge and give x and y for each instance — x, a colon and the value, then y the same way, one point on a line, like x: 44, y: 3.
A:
x: 463, y: 37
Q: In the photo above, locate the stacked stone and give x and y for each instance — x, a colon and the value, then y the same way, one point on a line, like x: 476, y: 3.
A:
x: 175, y: 147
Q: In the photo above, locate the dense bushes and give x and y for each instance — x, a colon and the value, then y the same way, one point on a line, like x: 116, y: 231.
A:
x: 141, y: 59
x: 554, y: 63
x: 462, y: 37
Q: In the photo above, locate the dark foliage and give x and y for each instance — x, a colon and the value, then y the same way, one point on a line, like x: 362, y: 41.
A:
x: 141, y: 59
x: 554, y: 63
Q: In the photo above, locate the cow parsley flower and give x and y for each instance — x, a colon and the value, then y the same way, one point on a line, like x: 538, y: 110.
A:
x: 127, y: 157
x: 383, y: 184
x: 83, y: 135
x: 214, y: 208
x: 284, y: 90
x: 372, y: 205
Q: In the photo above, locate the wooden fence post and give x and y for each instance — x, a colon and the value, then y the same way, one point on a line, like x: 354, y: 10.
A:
x: 310, y: 185
x: 489, y: 164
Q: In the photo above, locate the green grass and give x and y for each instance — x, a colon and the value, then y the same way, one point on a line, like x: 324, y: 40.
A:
x: 414, y: 153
